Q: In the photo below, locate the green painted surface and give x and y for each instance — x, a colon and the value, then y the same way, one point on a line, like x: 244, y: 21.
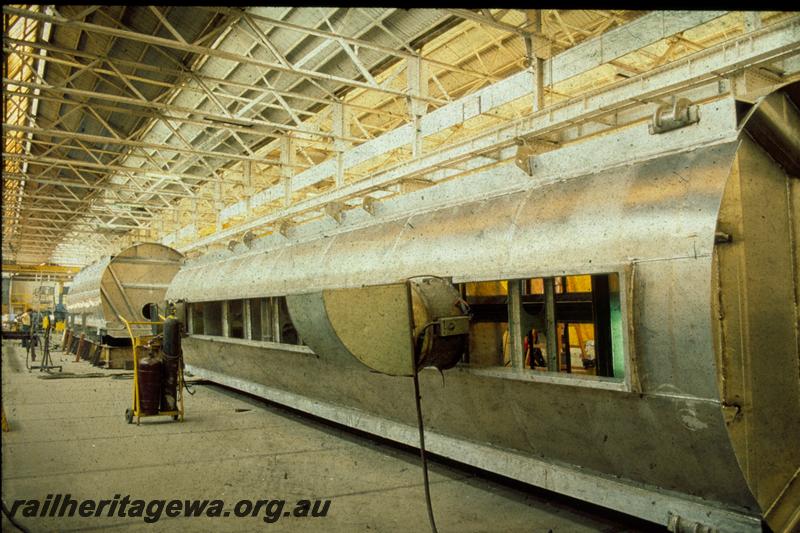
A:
x: 618, y: 355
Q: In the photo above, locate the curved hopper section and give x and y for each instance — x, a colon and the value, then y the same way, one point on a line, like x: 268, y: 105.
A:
x: 121, y: 285
x: 389, y: 328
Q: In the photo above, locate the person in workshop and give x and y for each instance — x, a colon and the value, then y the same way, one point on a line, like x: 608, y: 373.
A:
x: 26, y: 319
x: 533, y: 354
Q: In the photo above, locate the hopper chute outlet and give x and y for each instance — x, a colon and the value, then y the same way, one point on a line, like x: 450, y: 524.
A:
x: 393, y: 328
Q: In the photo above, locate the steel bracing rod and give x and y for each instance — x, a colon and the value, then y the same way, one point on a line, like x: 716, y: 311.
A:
x: 81, y: 185
x: 230, y: 56
x: 139, y: 144
x: 92, y: 173
x: 230, y: 128
x: 94, y: 152
x: 40, y: 238
x: 147, y: 124
x: 94, y: 202
x: 63, y: 162
x: 61, y: 116
x: 260, y: 37
x: 711, y: 65
x: 104, y: 202
x: 361, y: 43
x: 55, y: 252
x: 95, y: 187
x: 43, y: 233
x: 18, y: 48
x: 39, y: 197
x: 89, y: 212
x: 487, y: 21
x: 51, y: 162
x: 63, y: 231
x: 73, y: 222
x: 174, y: 93
x: 33, y: 243
x: 243, y: 128
x: 254, y: 125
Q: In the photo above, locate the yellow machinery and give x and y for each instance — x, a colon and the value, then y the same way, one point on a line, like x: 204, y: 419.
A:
x: 143, y: 345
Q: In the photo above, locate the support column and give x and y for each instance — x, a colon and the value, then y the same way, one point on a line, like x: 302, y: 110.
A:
x: 276, y: 319
x: 226, y: 326
x: 247, y: 177
x: 515, y: 323
x: 288, y: 152
x: 195, y: 218
x: 266, y: 320
x: 341, y: 128
x: 537, y: 49
x: 218, y: 204
x: 417, y: 76
x: 601, y: 311
x: 550, y: 324
x: 246, y: 323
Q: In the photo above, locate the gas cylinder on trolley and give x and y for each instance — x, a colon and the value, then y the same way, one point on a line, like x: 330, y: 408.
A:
x: 149, y: 384
x: 171, y: 352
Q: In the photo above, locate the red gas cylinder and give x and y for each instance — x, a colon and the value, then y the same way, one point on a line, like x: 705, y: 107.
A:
x: 149, y: 385
x: 170, y: 353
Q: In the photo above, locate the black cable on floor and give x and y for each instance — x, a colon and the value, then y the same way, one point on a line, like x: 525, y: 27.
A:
x: 10, y: 519
x: 426, y: 484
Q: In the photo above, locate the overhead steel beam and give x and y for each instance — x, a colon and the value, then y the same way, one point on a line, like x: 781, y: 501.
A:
x: 19, y: 48
x: 487, y: 21
x: 92, y: 213
x: 138, y: 144
x: 769, y: 44
x: 185, y: 47
x: 189, y: 160
x: 33, y: 243
x: 58, y: 162
x: 396, y: 52
x: 37, y: 196
x: 62, y: 232
x: 618, y: 42
x: 257, y: 125
x: 94, y: 186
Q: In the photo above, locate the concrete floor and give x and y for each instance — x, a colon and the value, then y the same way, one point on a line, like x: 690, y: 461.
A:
x: 69, y: 436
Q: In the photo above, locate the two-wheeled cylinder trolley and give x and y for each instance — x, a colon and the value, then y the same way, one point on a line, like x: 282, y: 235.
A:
x: 157, y: 371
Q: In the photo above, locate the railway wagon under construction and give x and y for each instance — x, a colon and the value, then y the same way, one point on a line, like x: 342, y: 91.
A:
x: 124, y: 285
x: 615, y: 318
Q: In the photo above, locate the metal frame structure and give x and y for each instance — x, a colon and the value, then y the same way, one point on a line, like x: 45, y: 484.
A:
x: 140, y: 125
